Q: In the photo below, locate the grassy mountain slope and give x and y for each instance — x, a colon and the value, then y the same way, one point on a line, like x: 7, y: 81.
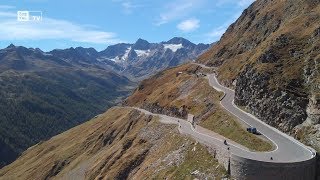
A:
x: 45, y: 93
x: 271, y: 36
x: 270, y: 55
x: 121, y: 143
x: 41, y: 96
x: 182, y: 90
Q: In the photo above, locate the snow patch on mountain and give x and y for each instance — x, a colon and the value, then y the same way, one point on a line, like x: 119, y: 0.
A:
x: 46, y: 54
x: 126, y: 54
x: 101, y: 59
x: 142, y: 52
x: 173, y: 47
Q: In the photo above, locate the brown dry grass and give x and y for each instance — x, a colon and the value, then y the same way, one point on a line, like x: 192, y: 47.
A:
x: 298, y: 20
x: 108, y: 147
x: 76, y: 145
x: 200, y: 100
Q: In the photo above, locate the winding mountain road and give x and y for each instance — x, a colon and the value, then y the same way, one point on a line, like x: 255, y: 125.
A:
x: 287, y: 148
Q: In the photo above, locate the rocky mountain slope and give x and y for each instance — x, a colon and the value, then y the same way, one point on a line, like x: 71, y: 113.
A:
x: 45, y: 93
x: 42, y: 95
x: 185, y: 90
x: 119, y: 144
x: 142, y: 59
x: 137, y: 61
x: 123, y: 143
x: 271, y: 56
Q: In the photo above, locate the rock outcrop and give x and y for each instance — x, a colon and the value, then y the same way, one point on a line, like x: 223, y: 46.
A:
x: 270, y: 56
x: 279, y: 108
x: 181, y: 112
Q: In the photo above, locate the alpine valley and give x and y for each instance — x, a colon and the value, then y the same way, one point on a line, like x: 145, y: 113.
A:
x: 45, y: 93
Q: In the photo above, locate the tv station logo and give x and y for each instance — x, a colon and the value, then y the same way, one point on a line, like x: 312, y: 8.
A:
x: 29, y: 16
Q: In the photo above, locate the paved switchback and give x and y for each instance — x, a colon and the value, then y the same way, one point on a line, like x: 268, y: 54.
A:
x: 287, y: 148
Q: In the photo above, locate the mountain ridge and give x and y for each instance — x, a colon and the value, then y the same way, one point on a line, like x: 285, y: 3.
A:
x: 42, y: 95
x: 135, y: 60
x: 142, y: 58
x: 270, y: 56
x: 63, y: 88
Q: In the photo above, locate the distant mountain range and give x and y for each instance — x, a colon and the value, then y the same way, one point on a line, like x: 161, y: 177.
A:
x: 45, y: 93
x: 270, y: 56
x: 138, y: 60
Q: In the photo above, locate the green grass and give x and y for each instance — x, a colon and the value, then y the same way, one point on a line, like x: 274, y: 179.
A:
x: 200, y: 100
x: 38, y: 105
x: 226, y: 126
x: 200, y: 160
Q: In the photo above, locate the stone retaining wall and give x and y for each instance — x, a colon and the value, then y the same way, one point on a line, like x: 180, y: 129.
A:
x: 247, y: 169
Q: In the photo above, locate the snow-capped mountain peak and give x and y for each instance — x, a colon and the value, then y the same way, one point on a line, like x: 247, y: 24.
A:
x: 173, y: 47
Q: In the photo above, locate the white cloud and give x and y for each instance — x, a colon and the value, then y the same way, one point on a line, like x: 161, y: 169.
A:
x: 128, y: 6
x: 178, y: 9
x: 4, y: 14
x: 189, y: 25
x: 217, y: 32
x: 244, y: 3
x: 6, y: 7
x: 240, y: 3
x: 49, y: 28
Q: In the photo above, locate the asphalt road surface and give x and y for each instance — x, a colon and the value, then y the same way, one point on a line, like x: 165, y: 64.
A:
x: 287, y: 148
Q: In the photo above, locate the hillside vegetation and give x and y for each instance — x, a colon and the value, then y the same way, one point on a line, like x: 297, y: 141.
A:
x: 270, y: 55
x: 41, y: 96
x: 121, y: 143
x: 185, y: 89
x: 45, y: 93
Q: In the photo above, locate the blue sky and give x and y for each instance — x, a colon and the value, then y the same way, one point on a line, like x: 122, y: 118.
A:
x: 99, y: 23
